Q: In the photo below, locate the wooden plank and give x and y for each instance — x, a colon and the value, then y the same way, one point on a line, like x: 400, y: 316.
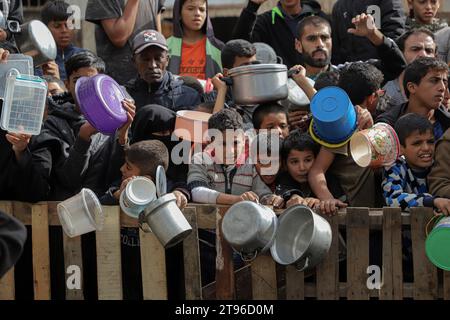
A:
x: 109, y: 266
x: 295, y: 284
x: 41, y: 252
x: 357, y: 253
x: 191, y: 252
x: 7, y: 287
x: 264, y: 278
x: 328, y: 271
x: 73, y: 257
x: 425, y: 273
x: 446, y: 285
x: 206, y: 215
x: 392, y: 255
x: 224, y: 262
x: 153, y: 265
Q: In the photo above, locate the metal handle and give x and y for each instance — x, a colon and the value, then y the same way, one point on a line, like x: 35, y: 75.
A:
x: 292, y: 72
x: 301, y: 268
x: 248, y: 257
x: 143, y: 224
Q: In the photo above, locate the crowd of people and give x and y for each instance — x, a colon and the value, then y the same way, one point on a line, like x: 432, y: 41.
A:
x: 394, y: 67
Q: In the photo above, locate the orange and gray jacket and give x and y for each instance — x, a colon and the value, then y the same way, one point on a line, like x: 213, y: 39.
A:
x: 213, y: 45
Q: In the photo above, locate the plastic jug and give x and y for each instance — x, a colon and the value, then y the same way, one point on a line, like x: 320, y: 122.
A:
x: 24, y: 104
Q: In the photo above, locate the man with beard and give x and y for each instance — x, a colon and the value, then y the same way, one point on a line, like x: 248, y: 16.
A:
x: 156, y: 85
x: 315, y: 44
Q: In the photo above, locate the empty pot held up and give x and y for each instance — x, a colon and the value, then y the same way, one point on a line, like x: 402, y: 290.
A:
x: 249, y: 228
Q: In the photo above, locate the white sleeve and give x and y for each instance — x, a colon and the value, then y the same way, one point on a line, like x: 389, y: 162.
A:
x: 204, y: 195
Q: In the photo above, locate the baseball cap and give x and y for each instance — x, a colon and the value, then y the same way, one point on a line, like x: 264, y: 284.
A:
x: 148, y: 38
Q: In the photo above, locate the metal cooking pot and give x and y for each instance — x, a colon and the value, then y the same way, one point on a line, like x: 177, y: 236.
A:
x: 35, y: 39
x: 303, y: 238
x: 249, y: 228
x: 165, y: 220
x: 296, y: 99
x: 258, y: 83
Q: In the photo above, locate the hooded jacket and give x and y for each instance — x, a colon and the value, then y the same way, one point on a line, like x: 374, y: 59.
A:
x: 272, y: 28
x: 347, y: 47
x: 213, y: 45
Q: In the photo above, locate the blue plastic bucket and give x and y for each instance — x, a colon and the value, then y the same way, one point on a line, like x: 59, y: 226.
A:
x: 334, y: 115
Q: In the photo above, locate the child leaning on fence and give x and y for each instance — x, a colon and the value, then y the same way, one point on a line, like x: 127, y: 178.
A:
x: 405, y: 183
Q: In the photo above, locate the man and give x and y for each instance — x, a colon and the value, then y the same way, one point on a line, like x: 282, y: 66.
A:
x: 349, y: 47
x: 414, y: 44
x: 118, y: 21
x: 315, y: 43
x: 276, y: 27
x: 156, y: 85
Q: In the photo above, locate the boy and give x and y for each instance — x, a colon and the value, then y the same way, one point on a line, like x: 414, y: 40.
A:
x: 439, y: 177
x: 55, y: 15
x: 193, y: 49
x: 55, y: 86
x: 405, y: 183
x: 271, y: 116
x: 221, y: 174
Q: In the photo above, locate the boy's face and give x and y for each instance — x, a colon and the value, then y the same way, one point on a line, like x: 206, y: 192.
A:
x: 239, y: 62
x: 229, y: 146
x: 298, y: 164
x: 419, y: 149
x: 62, y: 34
x: 129, y: 170
x: 267, y: 168
x: 82, y: 72
x: 54, y: 88
x: 276, y: 121
x: 419, y: 45
x: 193, y: 14
x: 431, y: 89
x: 424, y: 10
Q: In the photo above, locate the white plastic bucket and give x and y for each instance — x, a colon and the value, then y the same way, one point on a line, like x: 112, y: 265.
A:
x: 81, y: 214
x: 138, y: 193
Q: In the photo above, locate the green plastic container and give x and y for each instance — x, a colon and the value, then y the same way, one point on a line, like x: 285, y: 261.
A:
x: 437, y: 244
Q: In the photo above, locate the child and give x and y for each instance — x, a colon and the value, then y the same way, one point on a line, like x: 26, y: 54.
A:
x: 405, y: 183
x: 194, y: 51
x: 221, y: 174
x: 55, y: 86
x: 55, y: 15
x: 298, y: 154
x: 422, y: 13
x: 271, y: 116
x: 439, y: 177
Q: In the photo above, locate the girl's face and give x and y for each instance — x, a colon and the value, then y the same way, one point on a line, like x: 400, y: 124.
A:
x: 424, y: 10
x: 193, y: 14
x: 298, y: 164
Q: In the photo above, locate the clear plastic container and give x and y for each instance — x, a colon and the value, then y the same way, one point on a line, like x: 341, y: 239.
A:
x: 81, y: 214
x: 16, y: 64
x: 24, y: 104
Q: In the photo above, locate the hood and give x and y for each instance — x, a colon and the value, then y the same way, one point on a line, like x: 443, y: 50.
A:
x: 150, y: 119
x: 177, y: 24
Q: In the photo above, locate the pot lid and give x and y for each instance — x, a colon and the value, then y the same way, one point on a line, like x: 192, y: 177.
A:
x: 42, y: 38
x: 161, y: 181
x: 296, y: 95
x: 257, y: 68
x: 154, y: 205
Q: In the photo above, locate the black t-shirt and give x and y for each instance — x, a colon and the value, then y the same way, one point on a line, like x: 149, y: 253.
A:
x: 119, y: 64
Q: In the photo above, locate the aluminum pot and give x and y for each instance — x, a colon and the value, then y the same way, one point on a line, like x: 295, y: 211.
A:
x: 35, y: 39
x: 296, y: 99
x: 258, y: 83
x: 303, y: 238
x: 165, y: 220
x: 249, y: 228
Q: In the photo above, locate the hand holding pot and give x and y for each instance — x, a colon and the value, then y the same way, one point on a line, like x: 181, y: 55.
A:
x: 180, y: 199
x: 365, y: 120
x: 130, y: 108
x: 19, y: 142
x: 331, y: 206
x: 218, y: 83
x: 298, y: 74
x: 442, y: 205
x: 273, y: 200
x: 249, y: 196
x: 51, y: 69
x: 87, y: 131
x: 4, y: 54
x: 123, y: 185
x: 299, y: 119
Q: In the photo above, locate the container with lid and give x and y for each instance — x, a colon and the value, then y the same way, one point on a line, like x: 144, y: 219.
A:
x: 16, y: 64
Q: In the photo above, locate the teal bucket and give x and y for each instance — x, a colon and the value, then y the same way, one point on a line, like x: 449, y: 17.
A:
x: 437, y: 244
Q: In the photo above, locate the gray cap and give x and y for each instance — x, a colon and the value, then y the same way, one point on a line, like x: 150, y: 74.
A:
x: 265, y: 53
x: 147, y: 38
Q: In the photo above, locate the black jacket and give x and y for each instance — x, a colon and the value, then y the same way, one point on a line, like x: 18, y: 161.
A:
x: 171, y: 93
x: 347, y: 47
x: 15, y: 13
x: 12, y: 240
x: 271, y: 27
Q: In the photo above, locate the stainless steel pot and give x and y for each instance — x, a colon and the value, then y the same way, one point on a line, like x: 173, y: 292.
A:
x: 258, y: 83
x: 303, y: 238
x: 249, y: 228
x: 35, y: 39
x: 165, y: 220
x: 296, y: 99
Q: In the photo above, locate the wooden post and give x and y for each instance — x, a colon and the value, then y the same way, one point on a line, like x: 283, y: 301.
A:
x: 73, y: 256
x: 109, y: 264
x: 41, y: 252
x: 357, y: 253
x: 446, y: 285
x: 7, y: 288
x: 295, y: 284
x: 224, y: 262
x: 264, y: 278
x: 191, y: 252
x: 392, y: 284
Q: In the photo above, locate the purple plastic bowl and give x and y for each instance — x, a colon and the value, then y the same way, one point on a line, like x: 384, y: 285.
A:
x: 100, y: 99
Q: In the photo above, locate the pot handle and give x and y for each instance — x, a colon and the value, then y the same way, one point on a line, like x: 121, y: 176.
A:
x: 248, y: 257
x: 227, y: 80
x: 301, y: 267
x: 292, y: 72
x: 143, y: 224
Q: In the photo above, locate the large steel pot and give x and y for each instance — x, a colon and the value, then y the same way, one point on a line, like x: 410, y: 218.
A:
x: 165, y: 220
x: 303, y: 238
x: 35, y: 39
x: 258, y: 83
x: 249, y: 228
